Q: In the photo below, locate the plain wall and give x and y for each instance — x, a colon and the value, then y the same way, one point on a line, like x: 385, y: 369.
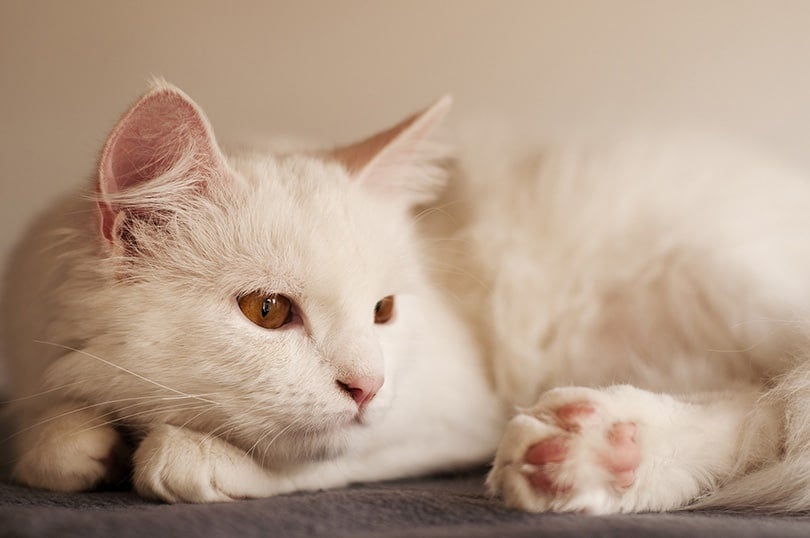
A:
x: 337, y: 69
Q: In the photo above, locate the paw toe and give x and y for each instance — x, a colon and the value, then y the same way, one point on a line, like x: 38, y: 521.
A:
x: 624, y: 479
x: 573, y: 416
x: 553, y: 450
x: 624, y: 453
x: 542, y: 483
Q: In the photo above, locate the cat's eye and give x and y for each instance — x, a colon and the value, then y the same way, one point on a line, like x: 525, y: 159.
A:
x: 384, y: 310
x: 269, y: 311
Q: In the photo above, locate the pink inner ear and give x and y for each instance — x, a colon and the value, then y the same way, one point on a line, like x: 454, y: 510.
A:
x: 357, y: 156
x: 393, y: 147
x: 161, y: 130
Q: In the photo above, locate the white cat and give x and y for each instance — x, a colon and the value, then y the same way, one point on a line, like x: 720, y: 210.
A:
x: 259, y: 323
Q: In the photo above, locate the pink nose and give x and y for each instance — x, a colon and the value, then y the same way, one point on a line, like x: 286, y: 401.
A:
x: 361, y: 389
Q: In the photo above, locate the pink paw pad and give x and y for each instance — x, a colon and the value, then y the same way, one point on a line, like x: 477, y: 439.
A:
x: 573, y: 416
x: 621, y: 458
x: 625, y: 455
x: 553, y: 450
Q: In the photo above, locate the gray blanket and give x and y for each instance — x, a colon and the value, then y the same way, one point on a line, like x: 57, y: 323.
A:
x: 448, y: 505
x: 438, y: 506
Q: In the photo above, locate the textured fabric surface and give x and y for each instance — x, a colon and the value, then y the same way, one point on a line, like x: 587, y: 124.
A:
x: 439, y: 506
x: 442, y: 506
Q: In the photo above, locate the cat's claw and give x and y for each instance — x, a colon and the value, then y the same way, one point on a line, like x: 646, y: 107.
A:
x: 567, y: 454
x: 178, y: 465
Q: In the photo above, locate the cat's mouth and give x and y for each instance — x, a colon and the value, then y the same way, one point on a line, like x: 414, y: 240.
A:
x: 369, y: 415
x: 361, y: 419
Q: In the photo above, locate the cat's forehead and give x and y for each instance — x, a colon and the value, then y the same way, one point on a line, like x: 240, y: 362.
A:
x: 303, y: 222
x: 305, y: 193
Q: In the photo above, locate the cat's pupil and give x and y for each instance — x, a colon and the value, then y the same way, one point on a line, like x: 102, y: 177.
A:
x: 266, y: 305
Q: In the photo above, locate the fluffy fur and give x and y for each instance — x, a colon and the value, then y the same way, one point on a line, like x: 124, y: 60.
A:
x: 670, y: 279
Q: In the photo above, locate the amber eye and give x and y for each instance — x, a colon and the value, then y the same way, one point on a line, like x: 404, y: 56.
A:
x: 268, y: 311
x: 384, y: 310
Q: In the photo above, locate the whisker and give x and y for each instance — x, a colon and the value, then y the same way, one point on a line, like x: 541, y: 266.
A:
x: 71, y: 412
x: 49, y: 391
x: 189, y: 406
x: 268, y: 431
x: 451, y: 269
x: 215, y: 432
x: 108, y: 363
x: 279, y: 434
x: 437, y: 209
x: 119, y: 419
x: 195, y: 417
x: 111, y: 422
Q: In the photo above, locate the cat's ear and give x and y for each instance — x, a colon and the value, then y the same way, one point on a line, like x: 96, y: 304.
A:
x: 161, y: 150
x: 401, y: 162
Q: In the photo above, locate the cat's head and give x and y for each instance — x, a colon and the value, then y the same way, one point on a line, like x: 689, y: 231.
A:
x: 271, y: 299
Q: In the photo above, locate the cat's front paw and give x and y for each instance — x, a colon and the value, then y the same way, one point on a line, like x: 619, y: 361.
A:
x: 178, y: 465
x: 571, y: 452
x: 70, y: 451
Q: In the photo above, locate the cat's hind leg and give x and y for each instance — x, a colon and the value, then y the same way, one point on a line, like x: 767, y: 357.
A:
x: 622, y: 449
x: 70, y: 448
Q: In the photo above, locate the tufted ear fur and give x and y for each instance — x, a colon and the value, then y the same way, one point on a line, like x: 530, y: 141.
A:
x: 162, y: 149
x: 400, y: 162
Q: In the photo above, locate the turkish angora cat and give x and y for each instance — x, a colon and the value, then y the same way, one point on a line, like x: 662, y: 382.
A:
x: 265, y: 323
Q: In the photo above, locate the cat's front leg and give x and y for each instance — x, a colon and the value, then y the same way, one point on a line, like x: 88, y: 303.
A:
x: 622, y: 449
x: 71, y: 447
x: 176, y: 464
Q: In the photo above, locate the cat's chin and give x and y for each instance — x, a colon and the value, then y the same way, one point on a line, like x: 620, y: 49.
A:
x: 302, y: 449
x: 329, y: 442
x: 312, y: 444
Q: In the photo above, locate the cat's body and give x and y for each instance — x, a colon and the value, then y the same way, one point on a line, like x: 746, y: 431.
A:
x: 680, y: 270
x: 674, y: 266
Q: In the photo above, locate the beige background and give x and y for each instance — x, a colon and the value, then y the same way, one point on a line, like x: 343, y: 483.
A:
x: 336, y: 69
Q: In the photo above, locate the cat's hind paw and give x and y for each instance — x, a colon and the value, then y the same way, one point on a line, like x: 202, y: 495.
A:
x: 570, y: 453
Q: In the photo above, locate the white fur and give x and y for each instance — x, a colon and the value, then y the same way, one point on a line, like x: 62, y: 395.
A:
x: 686, y: 447
x: 680, y: 268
